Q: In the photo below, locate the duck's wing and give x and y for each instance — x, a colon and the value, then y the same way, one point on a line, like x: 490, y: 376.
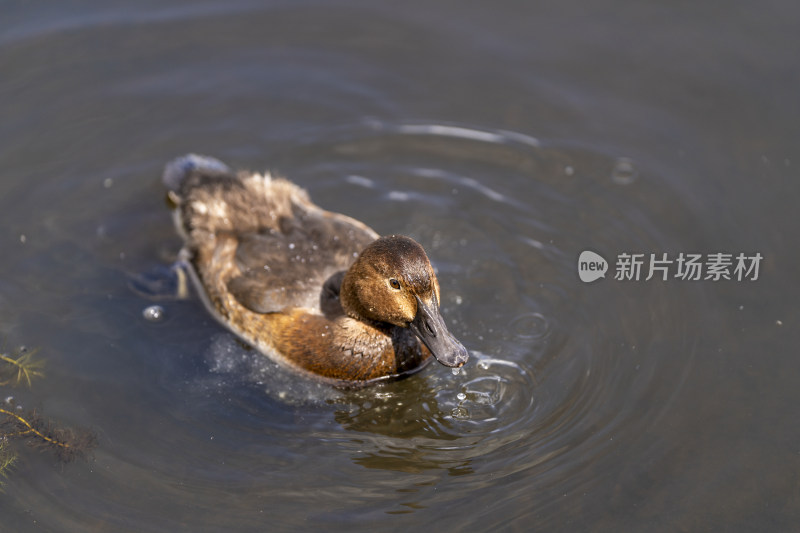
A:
x: 287, y: 265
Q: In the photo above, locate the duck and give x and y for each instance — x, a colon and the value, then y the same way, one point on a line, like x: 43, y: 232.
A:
x: 315, y: 291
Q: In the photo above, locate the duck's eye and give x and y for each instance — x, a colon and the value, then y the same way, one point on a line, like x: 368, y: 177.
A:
x: 395, y: 284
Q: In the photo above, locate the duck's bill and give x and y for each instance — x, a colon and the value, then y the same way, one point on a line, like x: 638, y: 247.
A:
x: 429, y: 326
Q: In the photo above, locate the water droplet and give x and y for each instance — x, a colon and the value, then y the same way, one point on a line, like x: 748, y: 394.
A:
x: 461, y: 396
x: 107, y: 183
x: 455, y: 371
x: 291, y: 246
x: 569, y: 171
x: 154, y: 313
x: 625, y: 171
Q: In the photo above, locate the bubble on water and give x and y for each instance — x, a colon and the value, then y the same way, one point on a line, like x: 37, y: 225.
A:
x: 625, y: 171
x: 154, y: 313
x: 455, y: 370
x: 461, y: 396
x: 531, y: 326
x: 460, y: 412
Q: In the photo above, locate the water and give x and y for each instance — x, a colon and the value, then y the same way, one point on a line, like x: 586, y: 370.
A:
x: 507, y: 139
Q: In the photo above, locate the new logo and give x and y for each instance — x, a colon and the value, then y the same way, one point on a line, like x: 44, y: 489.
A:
x: 591, y: 266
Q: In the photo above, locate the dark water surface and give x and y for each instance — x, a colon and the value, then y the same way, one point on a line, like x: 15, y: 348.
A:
x: 507, y: 138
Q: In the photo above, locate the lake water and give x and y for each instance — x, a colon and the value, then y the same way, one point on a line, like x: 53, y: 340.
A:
x: 507, y: 139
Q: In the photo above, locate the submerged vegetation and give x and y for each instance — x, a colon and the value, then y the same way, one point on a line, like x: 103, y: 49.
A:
x: 23, y: 368
x: 18, y: 424
x: 7, y: 459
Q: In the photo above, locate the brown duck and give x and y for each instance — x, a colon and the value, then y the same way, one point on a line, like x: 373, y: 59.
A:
x: 316, y: 291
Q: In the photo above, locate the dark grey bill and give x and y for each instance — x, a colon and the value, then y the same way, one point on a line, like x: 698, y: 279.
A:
x: 430, y: 328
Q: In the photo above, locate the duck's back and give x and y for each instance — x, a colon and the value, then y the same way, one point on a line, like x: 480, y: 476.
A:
x: 260, y: 239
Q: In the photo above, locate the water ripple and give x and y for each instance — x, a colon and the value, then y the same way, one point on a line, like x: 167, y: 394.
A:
x: 557, y: 365
x: 563, y: 375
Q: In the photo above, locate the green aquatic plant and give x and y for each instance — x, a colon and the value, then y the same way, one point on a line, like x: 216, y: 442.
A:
x: 22, y: 368
x: 7, y: 460
x: 67, y: 443
x: 29, y: 426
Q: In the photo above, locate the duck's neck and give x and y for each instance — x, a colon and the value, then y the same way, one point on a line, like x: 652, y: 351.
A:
x: 351, y: 305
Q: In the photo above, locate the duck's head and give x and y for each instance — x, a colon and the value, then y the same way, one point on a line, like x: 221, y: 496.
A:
x: 393, y: 282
